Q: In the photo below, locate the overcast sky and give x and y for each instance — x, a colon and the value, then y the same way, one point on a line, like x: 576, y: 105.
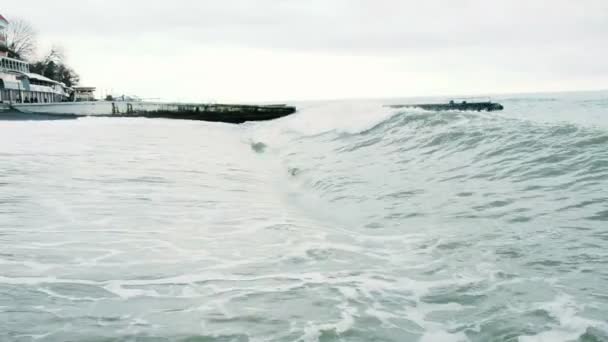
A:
x: 258, y: 50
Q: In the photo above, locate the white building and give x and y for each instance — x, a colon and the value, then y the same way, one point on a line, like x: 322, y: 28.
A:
x: 18, y: 85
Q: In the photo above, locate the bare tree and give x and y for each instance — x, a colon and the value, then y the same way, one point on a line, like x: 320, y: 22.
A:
x: 57, y: 54
x: 21, y: 39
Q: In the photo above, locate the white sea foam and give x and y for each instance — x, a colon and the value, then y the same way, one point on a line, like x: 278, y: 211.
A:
x: 571, y: 325
x: 443, y: 336
x: 313, y: 331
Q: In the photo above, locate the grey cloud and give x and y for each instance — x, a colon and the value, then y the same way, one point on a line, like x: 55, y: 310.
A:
x: 520, y: 41
x: 372, y: 26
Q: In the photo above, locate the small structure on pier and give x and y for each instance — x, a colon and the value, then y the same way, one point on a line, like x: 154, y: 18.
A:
x: 84, y: 94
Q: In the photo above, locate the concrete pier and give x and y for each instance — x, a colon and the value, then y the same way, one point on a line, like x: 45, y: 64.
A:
x: 229, y: 113
x: 205, y: 112
x: 460, y: 106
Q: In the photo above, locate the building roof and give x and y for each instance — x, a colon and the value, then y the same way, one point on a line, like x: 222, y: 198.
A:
x: 3, y: 19
x: 80, y: 88
x: 39, y: 78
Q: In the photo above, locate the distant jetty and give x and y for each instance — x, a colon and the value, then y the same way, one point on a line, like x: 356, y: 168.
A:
x: 228, y: 113
x: 486, y: 106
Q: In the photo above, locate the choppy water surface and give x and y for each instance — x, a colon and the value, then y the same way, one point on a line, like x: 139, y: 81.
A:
x: 344, y: 222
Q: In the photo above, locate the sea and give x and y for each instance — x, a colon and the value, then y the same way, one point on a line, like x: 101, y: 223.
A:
x: 347, y: 221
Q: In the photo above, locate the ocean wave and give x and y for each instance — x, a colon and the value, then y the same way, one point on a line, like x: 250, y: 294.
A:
x: 345, y: 222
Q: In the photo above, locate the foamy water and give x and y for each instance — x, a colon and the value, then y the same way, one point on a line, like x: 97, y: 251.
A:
x: 344, y: 222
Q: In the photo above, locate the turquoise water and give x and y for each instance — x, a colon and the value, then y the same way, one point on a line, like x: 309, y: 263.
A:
x: 344, y: 222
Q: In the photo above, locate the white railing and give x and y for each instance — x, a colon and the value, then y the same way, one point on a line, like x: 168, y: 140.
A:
x: 14, y: 64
